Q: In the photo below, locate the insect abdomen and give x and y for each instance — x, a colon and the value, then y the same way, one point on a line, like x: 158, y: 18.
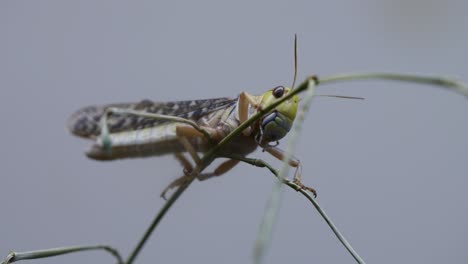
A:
x: 135, y: 151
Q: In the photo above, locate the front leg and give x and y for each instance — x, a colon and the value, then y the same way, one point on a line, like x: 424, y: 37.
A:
x: 246, y: 99
x: 293, y: 162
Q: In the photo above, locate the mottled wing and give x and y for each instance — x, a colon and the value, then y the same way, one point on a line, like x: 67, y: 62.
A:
x: 86, y: 121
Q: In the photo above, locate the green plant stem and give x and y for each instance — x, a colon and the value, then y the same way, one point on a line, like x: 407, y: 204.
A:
x: 205, y: 161
x: 274, y: 202
x: 157, y: 219
x: 212, y: 153
x: 36, y: 254
x: 271, y: 212
x: 292, y: 185
x: 450, y: 84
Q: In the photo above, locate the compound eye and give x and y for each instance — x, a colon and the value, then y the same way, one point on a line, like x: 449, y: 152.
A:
x: 278, y: 91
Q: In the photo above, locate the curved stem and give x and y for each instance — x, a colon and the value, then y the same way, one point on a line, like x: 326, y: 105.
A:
x: 270, y: 215
x: 327, y: 219
x: 262, y: 164
x: 274, y: 202
x: 156, y: 221
x: 205, y: 161
x: 447, y: 83
x: 36, y: 254
x: 213, y: 152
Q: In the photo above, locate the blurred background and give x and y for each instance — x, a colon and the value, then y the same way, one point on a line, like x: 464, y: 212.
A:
x: 391, y: 170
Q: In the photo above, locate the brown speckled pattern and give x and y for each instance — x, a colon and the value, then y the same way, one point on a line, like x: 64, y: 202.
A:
x: 85, y: 122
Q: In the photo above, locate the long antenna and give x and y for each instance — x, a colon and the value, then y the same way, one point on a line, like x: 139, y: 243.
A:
x: 295, y: 61
x: 340, y: 96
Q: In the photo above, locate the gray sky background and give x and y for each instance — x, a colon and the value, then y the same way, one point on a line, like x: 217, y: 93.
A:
x: 391, y: 171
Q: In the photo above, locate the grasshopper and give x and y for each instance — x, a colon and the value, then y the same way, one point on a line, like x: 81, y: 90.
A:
x: 147, y: 128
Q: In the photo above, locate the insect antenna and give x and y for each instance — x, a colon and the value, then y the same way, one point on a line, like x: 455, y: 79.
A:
x: 295, y: 61
x: 338, y: 96
x: 324, y: 95
x: 341, y: 96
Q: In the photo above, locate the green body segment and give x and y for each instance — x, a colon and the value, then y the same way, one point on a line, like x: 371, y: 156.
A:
x: 276, y: 124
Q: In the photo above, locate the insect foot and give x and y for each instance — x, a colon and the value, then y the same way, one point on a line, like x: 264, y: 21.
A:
x: 306, y: 188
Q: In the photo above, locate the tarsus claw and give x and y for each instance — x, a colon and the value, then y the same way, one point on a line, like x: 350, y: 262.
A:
x: 303, y: 187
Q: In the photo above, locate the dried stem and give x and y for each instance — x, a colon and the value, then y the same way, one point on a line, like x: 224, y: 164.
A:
x: 37, y: 254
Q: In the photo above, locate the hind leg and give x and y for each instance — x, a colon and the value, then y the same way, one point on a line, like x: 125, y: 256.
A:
x: 188, y: 168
